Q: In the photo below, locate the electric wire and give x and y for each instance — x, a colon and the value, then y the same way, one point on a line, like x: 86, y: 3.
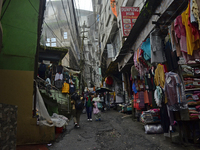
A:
x: 56, y: 17
x: 99, y: 15
x: 46, y: 24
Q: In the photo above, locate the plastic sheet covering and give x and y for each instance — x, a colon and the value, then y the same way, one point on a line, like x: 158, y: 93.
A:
x: 44, y: 118
x: 153, y: 129
x: 42, y: 111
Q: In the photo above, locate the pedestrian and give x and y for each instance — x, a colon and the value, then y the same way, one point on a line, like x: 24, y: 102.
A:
x: 89, y: 106
x: 108, y: 100
x: 96, y: 111
x: 102, y: 98
x: 77, y: 108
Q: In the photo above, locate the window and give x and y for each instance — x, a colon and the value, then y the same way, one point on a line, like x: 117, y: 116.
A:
x: 65, y: 35
x: 53, y: 39
x: 53, y: 44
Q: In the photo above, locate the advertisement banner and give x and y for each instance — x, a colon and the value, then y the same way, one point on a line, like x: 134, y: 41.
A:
x: 129, y: 16
x: 113, y: 7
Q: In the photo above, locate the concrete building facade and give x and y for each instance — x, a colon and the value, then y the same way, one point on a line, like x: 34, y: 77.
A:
x: 61, y: 30
x: 89, y: 36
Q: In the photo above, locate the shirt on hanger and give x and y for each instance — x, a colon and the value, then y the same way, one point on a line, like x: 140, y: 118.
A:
x: 157, y: 51
x: 58, y: 76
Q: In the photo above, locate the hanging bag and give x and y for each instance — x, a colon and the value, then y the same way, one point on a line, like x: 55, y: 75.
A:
x: 65, y: 88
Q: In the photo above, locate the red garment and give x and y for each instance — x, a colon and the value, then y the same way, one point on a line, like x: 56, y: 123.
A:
x: 136, y: 103
x: 165, y: 68
x: 180, y: 33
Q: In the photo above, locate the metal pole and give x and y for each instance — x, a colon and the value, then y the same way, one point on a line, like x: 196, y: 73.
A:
x: 82, y: 60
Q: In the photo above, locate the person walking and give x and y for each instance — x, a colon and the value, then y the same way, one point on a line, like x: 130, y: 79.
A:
x: 89, y: 106
x: 96, y: 111
x: 77, y: 108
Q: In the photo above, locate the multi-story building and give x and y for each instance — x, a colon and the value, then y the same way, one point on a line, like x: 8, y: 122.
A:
x: 61, y: 30
x: 89, y: 35
x: 111, y: 38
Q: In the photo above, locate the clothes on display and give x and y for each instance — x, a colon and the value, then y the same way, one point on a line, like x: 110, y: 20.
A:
x: 157, y: 52
x: 59, y: 76
x: 163, y: 75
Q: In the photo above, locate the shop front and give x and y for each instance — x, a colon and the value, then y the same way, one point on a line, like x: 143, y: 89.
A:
x: 165, y: 74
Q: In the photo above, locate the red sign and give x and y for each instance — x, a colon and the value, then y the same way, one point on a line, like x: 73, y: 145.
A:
x: 129, y: 16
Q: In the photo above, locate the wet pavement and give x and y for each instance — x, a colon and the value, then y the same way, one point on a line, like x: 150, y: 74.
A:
x: 116, y: 131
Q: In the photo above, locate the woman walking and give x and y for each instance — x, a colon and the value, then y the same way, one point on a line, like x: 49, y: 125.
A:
x: 96, y: 111
x: 89, y: 107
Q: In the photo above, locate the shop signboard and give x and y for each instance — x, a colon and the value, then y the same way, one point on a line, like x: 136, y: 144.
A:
x: 129, y: 16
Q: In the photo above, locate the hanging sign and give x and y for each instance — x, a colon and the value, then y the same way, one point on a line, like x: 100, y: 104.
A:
x: 113, y: 7
x: 129, y: 16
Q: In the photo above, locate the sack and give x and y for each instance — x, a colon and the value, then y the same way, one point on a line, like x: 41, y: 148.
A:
x: 79, y: 104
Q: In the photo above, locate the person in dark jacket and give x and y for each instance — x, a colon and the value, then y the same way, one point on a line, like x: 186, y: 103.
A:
x: 89, y: 106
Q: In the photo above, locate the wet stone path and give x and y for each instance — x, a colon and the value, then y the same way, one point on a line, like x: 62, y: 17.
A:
x: 116, y: 131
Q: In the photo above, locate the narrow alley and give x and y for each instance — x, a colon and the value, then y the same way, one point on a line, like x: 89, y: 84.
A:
x: 116, y: 131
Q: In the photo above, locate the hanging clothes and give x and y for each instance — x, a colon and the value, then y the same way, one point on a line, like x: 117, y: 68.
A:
x: 194, y: 9
x: 174, y: 89
x: 165, y: 121
x: 146, y: 47
x: 59, y: 76
x: 175, y: 43
x: 159, y: 76
x: 157, y: 51
x: 180, y: 33
x: 134, y: 72
x: 172, y: 59
x: 65, y: 88
x: 159, y: 96
x: 192, y: 42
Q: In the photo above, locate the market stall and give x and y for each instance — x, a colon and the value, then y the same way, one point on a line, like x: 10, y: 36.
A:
x: 165, y: 77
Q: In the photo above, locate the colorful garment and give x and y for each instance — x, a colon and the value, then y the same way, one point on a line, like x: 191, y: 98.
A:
x: 192, y: 43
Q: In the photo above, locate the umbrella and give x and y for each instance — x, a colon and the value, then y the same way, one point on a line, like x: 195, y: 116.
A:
x: 102, y: 90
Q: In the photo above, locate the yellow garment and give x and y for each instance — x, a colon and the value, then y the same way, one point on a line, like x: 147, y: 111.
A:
x: 192, y: 44
x: 195, y: 11
x: 159, y: 76
x: 65, y: 88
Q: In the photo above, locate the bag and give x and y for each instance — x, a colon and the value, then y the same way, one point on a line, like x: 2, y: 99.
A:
x: 65, y: 88
x: 79, y: 104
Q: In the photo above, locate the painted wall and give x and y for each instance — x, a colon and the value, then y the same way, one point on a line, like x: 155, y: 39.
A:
x: 20, y: 23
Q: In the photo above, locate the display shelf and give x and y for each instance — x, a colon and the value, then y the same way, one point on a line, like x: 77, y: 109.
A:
x: 191, y: 76
x: 192, y: 64
x: 195, y: 89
